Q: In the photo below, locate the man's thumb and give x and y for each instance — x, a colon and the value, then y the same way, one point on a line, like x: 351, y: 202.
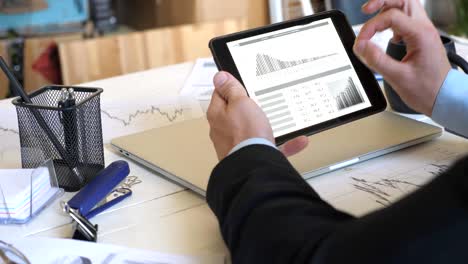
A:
x: 228, y: 87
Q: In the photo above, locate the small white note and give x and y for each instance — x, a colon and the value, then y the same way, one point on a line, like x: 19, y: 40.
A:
x: 23, y: 192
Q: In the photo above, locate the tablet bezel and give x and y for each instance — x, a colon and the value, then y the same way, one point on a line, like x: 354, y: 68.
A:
x: 225, y: 62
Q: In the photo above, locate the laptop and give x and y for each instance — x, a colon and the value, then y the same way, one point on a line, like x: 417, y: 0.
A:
x: 184, y: 153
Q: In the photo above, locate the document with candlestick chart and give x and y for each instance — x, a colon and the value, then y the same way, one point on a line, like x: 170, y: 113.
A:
x: 299, y: 76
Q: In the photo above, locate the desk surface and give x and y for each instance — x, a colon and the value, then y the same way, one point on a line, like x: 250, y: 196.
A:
x: 165, y: 217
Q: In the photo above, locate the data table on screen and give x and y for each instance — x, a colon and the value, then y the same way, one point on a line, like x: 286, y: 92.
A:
x: 300, y: 76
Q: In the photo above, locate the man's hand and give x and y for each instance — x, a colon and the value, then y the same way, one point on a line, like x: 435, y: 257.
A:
x: 412, y: 8
x: 421, y: 73
x: 234, y: 117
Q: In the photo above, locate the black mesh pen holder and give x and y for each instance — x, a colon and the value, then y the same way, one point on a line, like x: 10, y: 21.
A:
x: 65, y: 129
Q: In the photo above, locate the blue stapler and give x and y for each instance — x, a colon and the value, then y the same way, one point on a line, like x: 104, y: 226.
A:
x: 102, y: 188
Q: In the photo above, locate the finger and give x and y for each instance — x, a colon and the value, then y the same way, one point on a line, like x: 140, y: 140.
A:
x: 217, y: 106
x: 228, y: 87
x: 397, y: 38
x: 373, y: 56
x: 413, y: 8
x: 400, y: 23
x: 377, y: 60
x: 373, y: 6
x: 294, y: 146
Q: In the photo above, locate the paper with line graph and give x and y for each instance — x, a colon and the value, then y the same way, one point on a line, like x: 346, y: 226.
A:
x: 133, y: 115
x: 9, y: 136
x: 380, y: 182
x: 140, y: 101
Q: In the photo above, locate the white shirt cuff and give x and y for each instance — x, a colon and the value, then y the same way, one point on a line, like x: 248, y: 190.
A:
x: 252, y: 141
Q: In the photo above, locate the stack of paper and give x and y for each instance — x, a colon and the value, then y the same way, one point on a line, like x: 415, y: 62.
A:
x: 23, y: 193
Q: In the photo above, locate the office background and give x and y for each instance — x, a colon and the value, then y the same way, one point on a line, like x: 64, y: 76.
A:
x: 83, y: 42
x: 69, y: 42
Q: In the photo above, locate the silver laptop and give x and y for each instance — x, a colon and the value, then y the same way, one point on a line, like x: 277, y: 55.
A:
x: 184, y: 153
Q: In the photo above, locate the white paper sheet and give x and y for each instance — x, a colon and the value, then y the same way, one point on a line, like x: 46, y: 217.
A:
x: 120, y: 118
x: 200, y: 82
x: 64, y: 251
x: 377, y: 183
x: 9, y: 136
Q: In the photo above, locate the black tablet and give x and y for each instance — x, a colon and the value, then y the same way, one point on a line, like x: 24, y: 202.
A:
x: 302, y: 73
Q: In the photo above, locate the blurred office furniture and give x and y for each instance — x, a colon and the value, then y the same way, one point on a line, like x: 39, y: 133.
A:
x: 102, y: 14
x: 149, y: 14
x: 4, y: 84
x: 34, y: 17
x: 29, y: 27
x: 93, y: 59
x: 34, y: 51
x: 26, y: 56
x: 11, y: 49
x: 442, y: 13
x: 318, y: 5
x: 282, y: 10
x: 21, y: 6
x: 40, y: 34
x: 16, y: 59
x: 352, y: 9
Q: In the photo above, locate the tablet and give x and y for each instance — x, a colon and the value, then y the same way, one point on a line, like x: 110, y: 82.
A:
x: 302, y: 73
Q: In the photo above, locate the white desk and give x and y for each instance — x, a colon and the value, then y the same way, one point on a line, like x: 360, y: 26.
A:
x: 163, y: 216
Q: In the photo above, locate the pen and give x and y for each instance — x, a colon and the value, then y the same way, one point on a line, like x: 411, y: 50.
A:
x: 67, y: 103
x: 40, y: 119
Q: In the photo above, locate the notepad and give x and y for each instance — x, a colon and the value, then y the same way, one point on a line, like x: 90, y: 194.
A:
x: 24, y: 192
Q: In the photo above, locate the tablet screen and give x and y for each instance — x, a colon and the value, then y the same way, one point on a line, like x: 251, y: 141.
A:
x: 300, y: 76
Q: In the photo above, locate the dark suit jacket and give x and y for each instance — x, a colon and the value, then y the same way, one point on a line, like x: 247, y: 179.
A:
x: 269, y: 214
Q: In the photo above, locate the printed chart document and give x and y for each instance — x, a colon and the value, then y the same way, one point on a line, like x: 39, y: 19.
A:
x: 378, y: 183
x: 65, y: 251
x: 134, y: 115
x: 9, y: 136
x: 144, y: 100
x: 200, y: 82
x: 299, y: 76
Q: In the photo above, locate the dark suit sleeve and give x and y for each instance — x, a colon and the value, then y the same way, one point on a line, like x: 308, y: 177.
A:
x: 269, y: 214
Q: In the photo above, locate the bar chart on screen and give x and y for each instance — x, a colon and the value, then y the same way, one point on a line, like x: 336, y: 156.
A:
x: 345, y: 93
x: 300, y: 76
x: 268, y: 64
